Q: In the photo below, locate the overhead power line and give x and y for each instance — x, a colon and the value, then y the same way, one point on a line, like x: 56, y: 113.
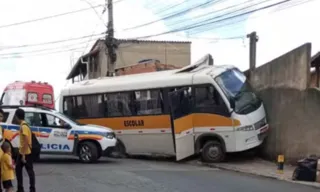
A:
x: 228, y: 14
x: 47, y: 49
x: 42, y: 54
x: 173, y: 15
x: 53, y: 42
x: 209, y: 21
x: 221, y: 10
x: 95, y: 11
x: 49, y: 17
x: 165, y: 9
x: 118, y: 1
x: 285, y: 7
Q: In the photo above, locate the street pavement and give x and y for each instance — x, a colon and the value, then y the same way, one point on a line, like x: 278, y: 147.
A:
x: 64, y: 174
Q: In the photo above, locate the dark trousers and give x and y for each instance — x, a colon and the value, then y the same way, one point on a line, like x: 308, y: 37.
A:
x: 29, y: 167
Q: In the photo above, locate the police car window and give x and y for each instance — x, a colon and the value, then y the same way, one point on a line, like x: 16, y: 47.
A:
x: 53, y: 121
x: 5, y: 116
x: 33, y: 119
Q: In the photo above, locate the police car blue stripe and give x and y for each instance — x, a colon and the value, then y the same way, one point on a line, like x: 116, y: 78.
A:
x: 87, y: 132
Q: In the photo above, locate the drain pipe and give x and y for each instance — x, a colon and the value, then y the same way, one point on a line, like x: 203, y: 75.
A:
x: 87, y: 64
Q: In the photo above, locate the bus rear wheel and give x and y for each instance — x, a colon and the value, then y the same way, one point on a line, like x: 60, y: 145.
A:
x: 212, y: 152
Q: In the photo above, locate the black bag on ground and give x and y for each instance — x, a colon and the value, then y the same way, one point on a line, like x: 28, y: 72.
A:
x: 306, y: 170
x: 36, y: 147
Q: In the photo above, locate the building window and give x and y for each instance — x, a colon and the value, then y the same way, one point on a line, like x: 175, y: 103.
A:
x: 119, y: 104
x: 149, y: 102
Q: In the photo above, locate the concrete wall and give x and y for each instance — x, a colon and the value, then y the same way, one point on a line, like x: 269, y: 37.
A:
x: 294, y: 122
x: 291, y: 70
x: 292, y: 107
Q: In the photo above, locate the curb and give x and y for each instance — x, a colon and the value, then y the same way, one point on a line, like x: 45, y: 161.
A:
x: 310, y: 184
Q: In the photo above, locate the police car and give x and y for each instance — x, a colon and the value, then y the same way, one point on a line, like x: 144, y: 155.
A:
x: 58, y: 134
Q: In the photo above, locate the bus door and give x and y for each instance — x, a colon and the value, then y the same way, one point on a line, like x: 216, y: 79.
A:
x: 180, y: 104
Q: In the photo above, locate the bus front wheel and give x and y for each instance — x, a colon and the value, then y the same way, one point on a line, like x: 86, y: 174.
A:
x: 212, y: 152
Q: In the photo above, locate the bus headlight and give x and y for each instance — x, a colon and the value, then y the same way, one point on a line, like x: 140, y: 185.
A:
x: 246, y: 128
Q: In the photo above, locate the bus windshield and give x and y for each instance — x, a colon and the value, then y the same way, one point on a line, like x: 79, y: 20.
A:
x: 235, y: 86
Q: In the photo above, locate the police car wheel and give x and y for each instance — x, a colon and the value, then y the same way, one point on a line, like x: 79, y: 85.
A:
x: 88, y: 152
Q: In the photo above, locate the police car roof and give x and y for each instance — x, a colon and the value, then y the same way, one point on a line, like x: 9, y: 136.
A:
x: 27, y: 108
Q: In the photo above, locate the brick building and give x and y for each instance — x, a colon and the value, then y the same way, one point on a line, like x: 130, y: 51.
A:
x: 95, y: 63
x: 144, y: 67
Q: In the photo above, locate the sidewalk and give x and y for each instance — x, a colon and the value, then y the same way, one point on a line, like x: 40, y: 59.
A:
x: 258, y: 167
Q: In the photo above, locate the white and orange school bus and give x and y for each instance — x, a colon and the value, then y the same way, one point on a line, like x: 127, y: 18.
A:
x: 200, y: 109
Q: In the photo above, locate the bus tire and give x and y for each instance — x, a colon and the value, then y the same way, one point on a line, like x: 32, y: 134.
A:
x: 212, y: 152
x: 88, y: 152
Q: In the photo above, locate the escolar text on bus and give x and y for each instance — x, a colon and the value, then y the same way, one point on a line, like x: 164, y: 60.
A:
x: 133, y: 123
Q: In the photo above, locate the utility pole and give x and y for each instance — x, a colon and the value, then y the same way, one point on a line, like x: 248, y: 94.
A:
x: 253, y: 38
x: 110, y: 42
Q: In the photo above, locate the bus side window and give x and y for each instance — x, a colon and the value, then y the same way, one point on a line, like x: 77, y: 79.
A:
x: 148, y: 102
x: 91, y: 106
x: 181, y: 101
x: 119, y: 104
x: 208, y: 100
x: 68, y: 106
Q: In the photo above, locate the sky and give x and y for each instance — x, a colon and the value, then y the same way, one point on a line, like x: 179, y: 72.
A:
x: 279, y: 29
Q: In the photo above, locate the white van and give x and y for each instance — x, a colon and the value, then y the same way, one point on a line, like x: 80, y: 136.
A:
x: 58, y: 134
x: 200, y: 109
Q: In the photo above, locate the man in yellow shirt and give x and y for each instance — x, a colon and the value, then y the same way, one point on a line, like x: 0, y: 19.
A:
x: 24, y: 158
x: 7, y: 168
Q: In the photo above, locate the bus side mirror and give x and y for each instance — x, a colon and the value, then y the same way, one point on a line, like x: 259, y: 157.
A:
x: 232, y: 103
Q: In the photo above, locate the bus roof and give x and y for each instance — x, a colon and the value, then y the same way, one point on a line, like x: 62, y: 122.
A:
x: 178, y: 77
x: 160, y: 79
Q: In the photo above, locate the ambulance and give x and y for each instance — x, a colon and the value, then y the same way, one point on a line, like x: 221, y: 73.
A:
x: 28, y: 94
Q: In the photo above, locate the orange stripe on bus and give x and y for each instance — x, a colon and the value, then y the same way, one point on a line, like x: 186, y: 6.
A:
x: 203, y: 120
x: 118, y: 123
x: 207, y: 120
x: 163, y: 121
